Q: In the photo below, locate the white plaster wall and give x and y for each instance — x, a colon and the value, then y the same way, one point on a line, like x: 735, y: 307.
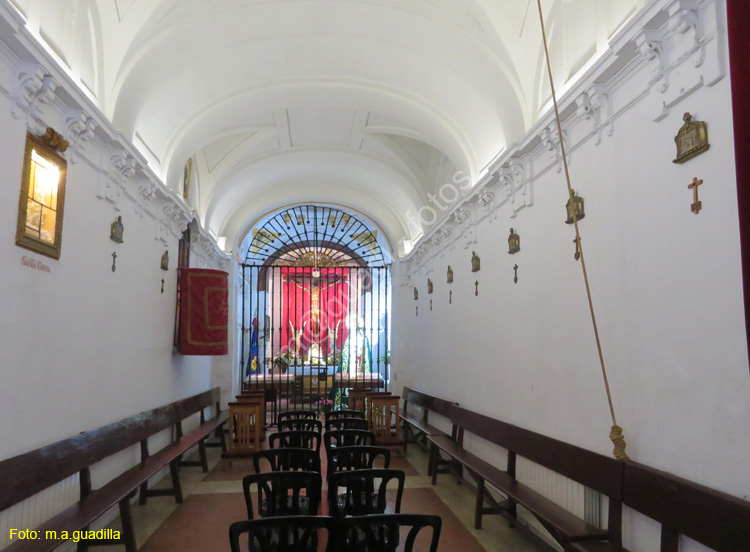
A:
x: 83, y: 346
x: 667, y: 289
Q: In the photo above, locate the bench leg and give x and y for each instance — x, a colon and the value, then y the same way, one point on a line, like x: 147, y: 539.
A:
x: 202, y: 453
x: 128, y: 535
x: 479, y: 507
x: 432, y: 468
x: 174, y: 471
x: 143, y: 497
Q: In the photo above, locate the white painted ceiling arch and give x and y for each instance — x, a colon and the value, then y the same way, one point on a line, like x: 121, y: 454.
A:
x: 335, y: 176
x: 398, y: 90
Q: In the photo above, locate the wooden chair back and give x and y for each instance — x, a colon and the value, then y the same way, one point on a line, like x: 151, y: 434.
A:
x: 364, y: 491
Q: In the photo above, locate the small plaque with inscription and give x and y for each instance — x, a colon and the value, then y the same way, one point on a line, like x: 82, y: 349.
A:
x: 691, y: 140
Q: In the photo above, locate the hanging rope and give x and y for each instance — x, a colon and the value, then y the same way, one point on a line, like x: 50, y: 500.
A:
x: 615, y: 434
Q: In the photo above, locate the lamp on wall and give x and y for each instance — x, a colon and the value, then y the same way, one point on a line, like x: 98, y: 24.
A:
x: 514, y: 242
x: 574, y: 208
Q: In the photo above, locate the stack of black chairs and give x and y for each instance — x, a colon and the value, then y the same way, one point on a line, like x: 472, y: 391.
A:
x: 288, y: 482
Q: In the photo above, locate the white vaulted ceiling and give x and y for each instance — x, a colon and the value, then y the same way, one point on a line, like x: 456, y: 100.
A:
x: 368, y: 104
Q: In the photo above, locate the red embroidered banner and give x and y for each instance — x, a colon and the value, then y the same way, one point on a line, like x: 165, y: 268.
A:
x: 204, y: 308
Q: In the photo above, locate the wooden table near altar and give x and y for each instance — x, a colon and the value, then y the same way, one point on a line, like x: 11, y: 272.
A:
x: 291, y: 384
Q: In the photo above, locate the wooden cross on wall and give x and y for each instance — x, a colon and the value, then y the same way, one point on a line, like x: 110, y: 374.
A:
x: 697, y: 205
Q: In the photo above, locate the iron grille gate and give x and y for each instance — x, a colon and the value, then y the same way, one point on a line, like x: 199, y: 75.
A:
x: 309, y: 334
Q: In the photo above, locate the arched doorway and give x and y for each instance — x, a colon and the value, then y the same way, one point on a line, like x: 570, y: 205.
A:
x: 315, y: 303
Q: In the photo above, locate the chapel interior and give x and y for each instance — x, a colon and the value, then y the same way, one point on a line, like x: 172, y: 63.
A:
x: 374, y: 275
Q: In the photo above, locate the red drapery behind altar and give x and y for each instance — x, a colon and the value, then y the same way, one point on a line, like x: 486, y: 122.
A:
x: 314, y: 309
x: 204, y: 312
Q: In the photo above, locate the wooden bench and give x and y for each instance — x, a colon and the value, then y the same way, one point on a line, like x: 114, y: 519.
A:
x: 710, y: 517
x: 419, y: 427
x: 592, y: 470
x: 27, y: 474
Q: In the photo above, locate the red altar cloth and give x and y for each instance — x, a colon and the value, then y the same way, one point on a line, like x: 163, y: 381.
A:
x: 204, y: 312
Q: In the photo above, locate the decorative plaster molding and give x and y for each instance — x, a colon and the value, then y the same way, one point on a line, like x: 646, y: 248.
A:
x: 124, y: 172
x: 687, y: 31
x: 81, y: 129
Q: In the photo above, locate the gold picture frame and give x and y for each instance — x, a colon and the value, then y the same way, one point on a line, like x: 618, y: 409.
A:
x: 42, y: 199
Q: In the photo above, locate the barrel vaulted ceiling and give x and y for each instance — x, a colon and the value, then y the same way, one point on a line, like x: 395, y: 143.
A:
x: 367, y: 104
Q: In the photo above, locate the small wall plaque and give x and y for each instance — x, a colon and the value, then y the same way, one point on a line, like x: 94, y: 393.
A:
x: 416, y: 293
x: 450, y: 275
x: 165, y: 260
x: 117, y: 230
x: 691, y: 139
x: 429, y: 285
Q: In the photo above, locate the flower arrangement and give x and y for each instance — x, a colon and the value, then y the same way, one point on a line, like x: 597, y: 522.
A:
x: 327, y: 404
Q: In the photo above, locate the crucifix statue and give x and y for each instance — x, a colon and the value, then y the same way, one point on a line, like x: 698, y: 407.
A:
x: 697, y: 205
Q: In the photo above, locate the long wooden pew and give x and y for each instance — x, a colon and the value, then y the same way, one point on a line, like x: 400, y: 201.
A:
x: 682, y: 507
x: 27, y: 474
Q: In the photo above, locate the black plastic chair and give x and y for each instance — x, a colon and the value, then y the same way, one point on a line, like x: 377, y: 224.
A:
x: 284, y: 534
x: 356, y: 458
x: 347, y: 438
x: 346, y: 423
x: 297, y: 415
x: 287, y: 459
x: 281, y: 493
x: 295, y: 439
x: 300, y: 424
x: 335, y: 414
x: 381, y: 532
x: 363, y: 495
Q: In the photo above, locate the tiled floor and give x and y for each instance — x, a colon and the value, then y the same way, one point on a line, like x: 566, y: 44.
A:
x: 214, y: 500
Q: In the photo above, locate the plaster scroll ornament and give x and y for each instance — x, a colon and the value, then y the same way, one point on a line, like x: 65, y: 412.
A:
x: 81, y: 129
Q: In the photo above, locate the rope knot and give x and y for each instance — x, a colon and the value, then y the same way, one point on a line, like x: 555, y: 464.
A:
x: 618, y: 439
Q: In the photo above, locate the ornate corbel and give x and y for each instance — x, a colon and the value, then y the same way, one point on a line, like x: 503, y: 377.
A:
x: 652, y: 46
x: 551, y: 142
x: 523, y: 187
x: 487, y: 199
x: 594, y: 105
x: 81, y: 129
x: 35, y: 88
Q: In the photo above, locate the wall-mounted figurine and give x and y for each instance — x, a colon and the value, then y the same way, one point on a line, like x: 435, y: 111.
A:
x: 165, y: 260
x: 117, y: 230
x: 450, y: 275
x: 575, y: 209
x: 691, y: 139
x: 514, y: 242
x: 416, y: 293
x: 429, y: 285
x: 474, y: 262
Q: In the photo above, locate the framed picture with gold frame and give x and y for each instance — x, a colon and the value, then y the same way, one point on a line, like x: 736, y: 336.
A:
x: 42, y: 201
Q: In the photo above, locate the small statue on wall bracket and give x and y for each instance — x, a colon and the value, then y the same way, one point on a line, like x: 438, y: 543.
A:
x: 117, y: 230
x: 165, y: 260
x: 474, y: 262
x: 450, y: 275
